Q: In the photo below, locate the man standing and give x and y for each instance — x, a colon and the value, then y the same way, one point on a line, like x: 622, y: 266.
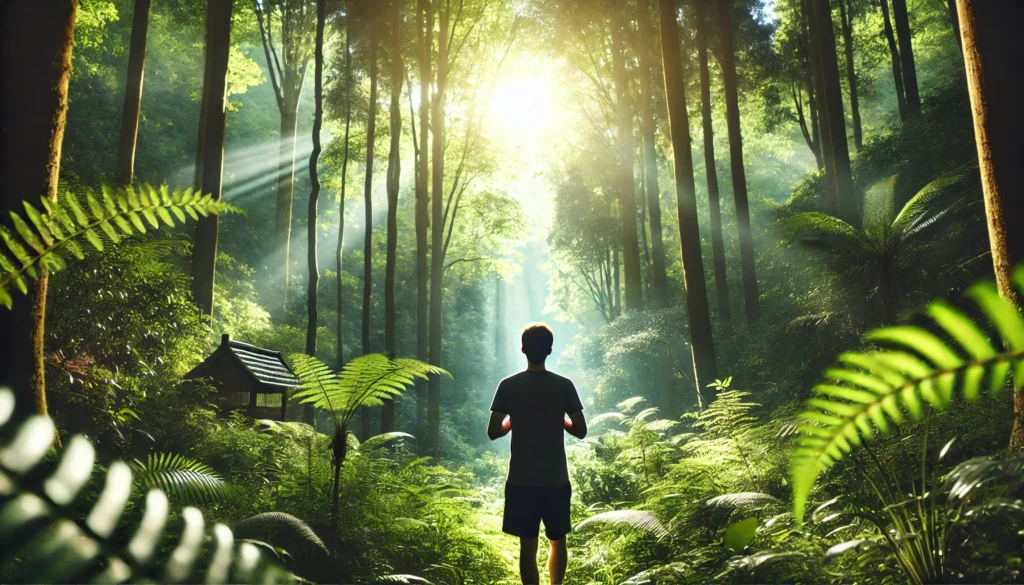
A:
x: 542, y: 405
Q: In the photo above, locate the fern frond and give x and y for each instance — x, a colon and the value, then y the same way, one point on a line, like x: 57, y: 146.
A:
x: 184, y: 479
x: 61, y: 227
x: 823, y: 231
x: 382, y: 439
x: 44, y: 540
x: 618, y: 417
x: 279, y: 529
x: 869, y: 392
x: 637, y: 519
x: 933, y: 201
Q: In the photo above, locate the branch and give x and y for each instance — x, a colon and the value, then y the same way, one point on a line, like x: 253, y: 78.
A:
x: 267, y: 49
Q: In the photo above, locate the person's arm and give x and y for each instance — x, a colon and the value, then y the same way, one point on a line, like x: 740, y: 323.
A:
x: 576, y: 424
x: 498, y: 426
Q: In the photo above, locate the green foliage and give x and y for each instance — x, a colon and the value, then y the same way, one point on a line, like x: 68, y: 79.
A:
x: 636, y: 519
x: 183, y: 478
x: 739, y: 534
x: 44, y: 539
x: 61, y: 227
x: 868, y: 392
x: 271, y: 526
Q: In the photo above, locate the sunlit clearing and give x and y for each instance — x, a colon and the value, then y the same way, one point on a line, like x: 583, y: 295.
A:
x: 521, y: 108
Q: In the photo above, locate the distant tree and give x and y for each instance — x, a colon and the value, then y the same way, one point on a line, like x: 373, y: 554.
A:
x: 739, y: 176
x: 287, y: 74
x: 133, y: 93
x: 846, y: 16
x: 394, y: 174
x: 210, y: 149
x: 312, y: 315
x: 659, y: 281
x: 372, y: 32
x: 624, y: 140
x: 425, y: 32
x: 714, y: 209
x: 894, y: 56
x: 909, y: 69
x: 701, y: 342
x: 344, y: 184
x: 35, y: 50
x: 993, y: 53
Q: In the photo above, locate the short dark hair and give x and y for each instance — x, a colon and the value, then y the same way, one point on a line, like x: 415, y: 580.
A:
x: 537, y: 342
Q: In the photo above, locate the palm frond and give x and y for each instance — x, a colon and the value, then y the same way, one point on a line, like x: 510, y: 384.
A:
x: 43, y: 238
x: 44, y: 539
x: 183, y: 478
x: 279, y: 529
x: 637, y: 519
x: 868, y: 392
x: 933, y: 202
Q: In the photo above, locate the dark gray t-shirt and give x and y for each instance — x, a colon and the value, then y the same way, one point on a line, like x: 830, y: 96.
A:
x: 537, y: 403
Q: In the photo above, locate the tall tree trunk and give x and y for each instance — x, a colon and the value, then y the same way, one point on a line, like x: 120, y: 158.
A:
x: 659, y: 280
x: 425, y: 26
x: 36, y: 65
x: 902, y: 20
x: 283, y: 210
x: 312, y: 313
x: 702, y: 345
x: 992, y: 54
x: 210, y: 153
x: 739, y: 175
x: 812, y: 134
x: 717, y: 244
x: 344, y: 184
x: 844, y: 203
x: 387, y: 417
x: 814, y: 54
x: 851, y: 74
x: 894, y: 56
x: 133, y: 93
x: 433, y: 439
x: 626, y: 185
x: 371, y: 128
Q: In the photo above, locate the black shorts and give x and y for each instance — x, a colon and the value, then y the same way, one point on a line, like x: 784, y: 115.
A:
x: 527, y: 506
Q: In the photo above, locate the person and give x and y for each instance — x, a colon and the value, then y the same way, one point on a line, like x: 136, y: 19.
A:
x: 537, y: 406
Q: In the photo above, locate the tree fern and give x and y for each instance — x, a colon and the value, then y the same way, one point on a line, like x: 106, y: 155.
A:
x: 43, y: 237
x: 43, y: 539
x: 869, y: 392
x: 184, y: 479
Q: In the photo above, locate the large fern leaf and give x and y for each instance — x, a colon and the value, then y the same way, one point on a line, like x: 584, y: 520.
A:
x: 68, y: 226
x: 637, y: 519
x: 871, y: 391
x: 280, y: 529
x: 184, y: 479
x: 44, y: 540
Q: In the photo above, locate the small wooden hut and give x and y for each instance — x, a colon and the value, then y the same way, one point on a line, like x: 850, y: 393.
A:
x: 251, y: 379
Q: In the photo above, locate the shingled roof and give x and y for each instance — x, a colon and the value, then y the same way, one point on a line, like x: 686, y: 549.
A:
x: 268, y: 366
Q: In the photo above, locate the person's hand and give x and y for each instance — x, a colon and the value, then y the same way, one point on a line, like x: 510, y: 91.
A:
x: 567, y: 422
x: 506, y: 425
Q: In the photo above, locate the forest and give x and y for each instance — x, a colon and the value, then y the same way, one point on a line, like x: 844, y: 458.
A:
x: 264, y: 263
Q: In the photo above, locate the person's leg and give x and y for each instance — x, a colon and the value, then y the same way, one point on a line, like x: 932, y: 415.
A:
x: 528, y: 561
x: 557, y: 559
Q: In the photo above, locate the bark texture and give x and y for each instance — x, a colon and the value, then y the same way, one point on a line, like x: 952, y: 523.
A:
x: 992, y: 54
x: 210, y: 152
x: 702, y: 346
x: 35, y: 53
x: 133, y: 93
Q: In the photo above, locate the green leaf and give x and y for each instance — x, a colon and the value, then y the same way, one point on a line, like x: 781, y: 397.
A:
x: 94, y: 206
x: 740, y: 534
x: 94, y: 239
x: 39, y: 222
x: 26, y: 233
x: 71, y: 203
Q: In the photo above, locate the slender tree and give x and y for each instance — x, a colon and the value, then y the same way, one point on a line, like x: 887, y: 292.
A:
x: 210, y: 149
x: 739, y: 175
x: 312, y: 314
x: 702, y: 346
x: 371, y: 131
x: 35, y: 52
x: 842, y: 201
x: 992, y: 54
x: 659, y: 282
x: 811, y: 131
x: 846, y: 16
x: 394, y: 174
x: 433, y: 438
x: 902, y: 20
x: 287, y: 74
x: 624, y: 140
x: 133, y: 93
x: 717, y: 244
x: 425, y: 27
x: 954, y: 20
x: 894, y: 57
x: 344, y: 184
